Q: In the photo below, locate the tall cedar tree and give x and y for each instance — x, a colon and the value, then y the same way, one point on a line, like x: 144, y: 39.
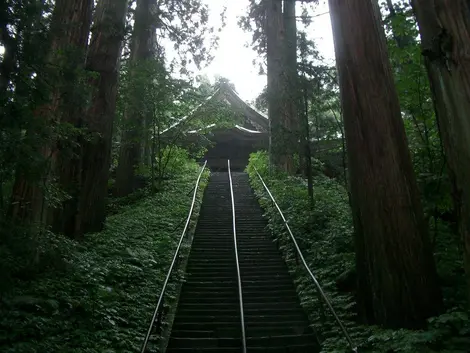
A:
x: 102, y: 60
x: 397, y: 280
x: 445, y: 38
x: 304, y: 127
x: 70, y: 27
x: 133, y: 138
x: 291, y: 87
x: 278, y: 129
x: 83, y: 174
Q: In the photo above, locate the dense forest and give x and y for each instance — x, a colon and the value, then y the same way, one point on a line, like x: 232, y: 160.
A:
x: 98, y: 97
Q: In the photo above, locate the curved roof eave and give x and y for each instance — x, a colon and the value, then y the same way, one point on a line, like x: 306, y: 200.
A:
x: 255, y: 116
x: 255, y: 111
x: 192, y: 112
x: 248, y: 130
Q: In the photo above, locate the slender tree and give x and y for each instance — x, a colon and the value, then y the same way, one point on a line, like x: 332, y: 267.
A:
x: 397, y: 281
x: 292, y: 97
x: 133, y: 138
x: 304, y: 126
x: 445, y: 38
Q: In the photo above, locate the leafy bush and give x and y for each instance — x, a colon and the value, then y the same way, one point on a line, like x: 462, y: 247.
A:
x: 172, y: 161
x: 325, y: 236
x: 103, y: 297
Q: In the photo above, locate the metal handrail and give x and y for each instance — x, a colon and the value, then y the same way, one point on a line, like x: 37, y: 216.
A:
x: 170, y: 270
x: 240, y: 295
x: 299, y: 252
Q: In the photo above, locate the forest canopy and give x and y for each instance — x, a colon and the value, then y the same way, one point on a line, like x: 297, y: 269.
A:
x: 369, y: 157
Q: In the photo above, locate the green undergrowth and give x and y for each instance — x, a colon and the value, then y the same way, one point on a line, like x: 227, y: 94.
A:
x: 324, y: 234
x: 98, y: 295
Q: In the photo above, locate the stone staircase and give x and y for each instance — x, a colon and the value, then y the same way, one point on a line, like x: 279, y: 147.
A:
x: 208, y: 314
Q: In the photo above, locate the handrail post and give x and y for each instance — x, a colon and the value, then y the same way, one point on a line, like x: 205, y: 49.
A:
x: 170, y: 270
x: 300, y: 255
x: 240, y: 294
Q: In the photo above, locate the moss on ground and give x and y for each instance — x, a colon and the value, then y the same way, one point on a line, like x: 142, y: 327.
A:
x: 97, y: 295
x: 325, y: 235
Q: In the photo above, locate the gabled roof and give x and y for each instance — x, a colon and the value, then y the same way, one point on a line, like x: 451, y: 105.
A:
x: 255, y: 117
x: 226, y: 93
x: 183, y: 119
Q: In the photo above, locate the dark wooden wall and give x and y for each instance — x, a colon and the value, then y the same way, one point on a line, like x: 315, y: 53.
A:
x: 235, y: 146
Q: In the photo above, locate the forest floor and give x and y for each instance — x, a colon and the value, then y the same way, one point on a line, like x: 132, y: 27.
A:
x: 97, y: 295
x: 57, y: 295
x: 325, y: 236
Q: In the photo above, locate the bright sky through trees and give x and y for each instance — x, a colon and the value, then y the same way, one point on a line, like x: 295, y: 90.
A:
x: 234, y: 60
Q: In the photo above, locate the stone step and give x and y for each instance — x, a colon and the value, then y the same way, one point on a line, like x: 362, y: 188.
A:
x: 252, y: 342
x: 211, y: 317
x: 208, y: 314
x: 229, y: 299
x: 228, y: 277
x: 229, y: 329
x: 234, y: 310
x: 251, y: 332
x: 252, y: 306
x: 306, y: 348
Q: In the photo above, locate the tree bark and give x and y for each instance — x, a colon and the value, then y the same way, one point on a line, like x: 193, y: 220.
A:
x: 292, y: 99
x: 279, y: 156
x: 445, y: 32
x: 69, y: 31
x: 85, y: 173
x: 133, y: 137
x: 307, y: 149
x: 103, y: 60
x: 397, y: 280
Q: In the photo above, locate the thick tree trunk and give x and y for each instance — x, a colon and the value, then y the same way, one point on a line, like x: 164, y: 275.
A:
x: 397, y: 280
x: 445, y: 32
x: 414, y: 109
x: 84, y: 174
x: 69, y: 32
x: 103, y: 61
x: 279, y: 154
x: 133, y: 137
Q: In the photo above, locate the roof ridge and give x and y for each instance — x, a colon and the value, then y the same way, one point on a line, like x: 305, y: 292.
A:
x: 258, y: 119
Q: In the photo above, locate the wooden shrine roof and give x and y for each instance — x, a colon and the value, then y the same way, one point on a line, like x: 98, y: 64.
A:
x: 226, y: 93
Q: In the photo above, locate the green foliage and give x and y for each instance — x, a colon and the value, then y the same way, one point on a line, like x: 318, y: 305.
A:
x: 324, y: 233
x: 31, y: 73
x: 168, y: 108
x: 24, y: 29
x: 185, y: 23
x: 255, y: 20
x: 418, y: 111
x: 173, y: 161
x: 98, y: 295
